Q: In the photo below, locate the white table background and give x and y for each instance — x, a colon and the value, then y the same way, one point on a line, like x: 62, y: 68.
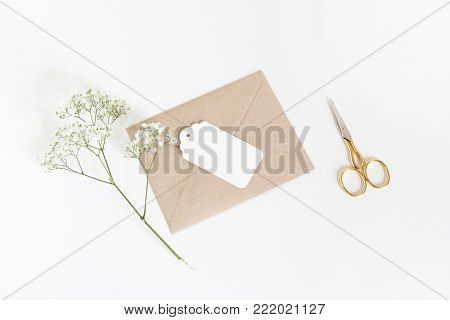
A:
x: 396, y: 103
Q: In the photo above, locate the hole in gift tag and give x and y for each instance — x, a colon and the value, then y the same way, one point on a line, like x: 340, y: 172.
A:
x: 220, y: 153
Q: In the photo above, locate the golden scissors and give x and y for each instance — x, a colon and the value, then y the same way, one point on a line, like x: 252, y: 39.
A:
x: 358, y: 164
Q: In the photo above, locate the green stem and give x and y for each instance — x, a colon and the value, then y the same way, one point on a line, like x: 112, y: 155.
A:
x: 85, y: 175
x: 106, y: 162
x: 163, y: 241
x: 112, y: 182
x: 148, y: 225
x: 146, y: 192
x: 88, y: 176
x: 126, y: 198
x: 79, y: 164
x: 147, y: 182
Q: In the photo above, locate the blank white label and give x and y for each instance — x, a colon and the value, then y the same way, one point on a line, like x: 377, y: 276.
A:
x: 220, y: 153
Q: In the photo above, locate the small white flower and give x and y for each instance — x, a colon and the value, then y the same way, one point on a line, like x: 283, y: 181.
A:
x: 149, y: 138
x: 69, y: 139
x: 173, y: 140
x: 92, y: 107
x: 133, y: 149
x: 92, y: 115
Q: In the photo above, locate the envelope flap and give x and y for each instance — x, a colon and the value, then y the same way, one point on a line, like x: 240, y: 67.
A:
x: 284, y: 159
x: 275, y: 136
x: 224, y: 107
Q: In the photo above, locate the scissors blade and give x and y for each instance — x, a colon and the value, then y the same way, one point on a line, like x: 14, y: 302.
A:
x: 340, y: 122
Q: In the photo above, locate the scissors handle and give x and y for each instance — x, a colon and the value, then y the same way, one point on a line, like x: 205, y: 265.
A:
x: 386, y: 178
x: 357, y: 160
x: 359, y: 165
x: 362, y: 178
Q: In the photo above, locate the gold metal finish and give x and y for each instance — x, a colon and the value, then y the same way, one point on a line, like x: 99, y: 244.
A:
x: 358, y: 163
x: 342, y: 184
x: 387, y: 175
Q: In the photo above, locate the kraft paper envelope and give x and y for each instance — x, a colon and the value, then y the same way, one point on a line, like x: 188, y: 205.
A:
x: 188, y: 194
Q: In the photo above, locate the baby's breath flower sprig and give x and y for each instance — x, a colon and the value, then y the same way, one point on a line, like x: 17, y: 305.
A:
x: 147, y: 140
x: 94, y: 108
x: 89, y: 117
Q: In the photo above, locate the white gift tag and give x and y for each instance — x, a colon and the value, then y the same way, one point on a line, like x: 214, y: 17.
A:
x: 220, y: 153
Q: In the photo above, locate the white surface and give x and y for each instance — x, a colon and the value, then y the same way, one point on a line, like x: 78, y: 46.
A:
x: 220, y: 153
x: 226, y: 309
x: 396, y: 103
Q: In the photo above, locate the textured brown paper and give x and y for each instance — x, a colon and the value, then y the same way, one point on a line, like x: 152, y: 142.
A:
x: 188, y: 194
